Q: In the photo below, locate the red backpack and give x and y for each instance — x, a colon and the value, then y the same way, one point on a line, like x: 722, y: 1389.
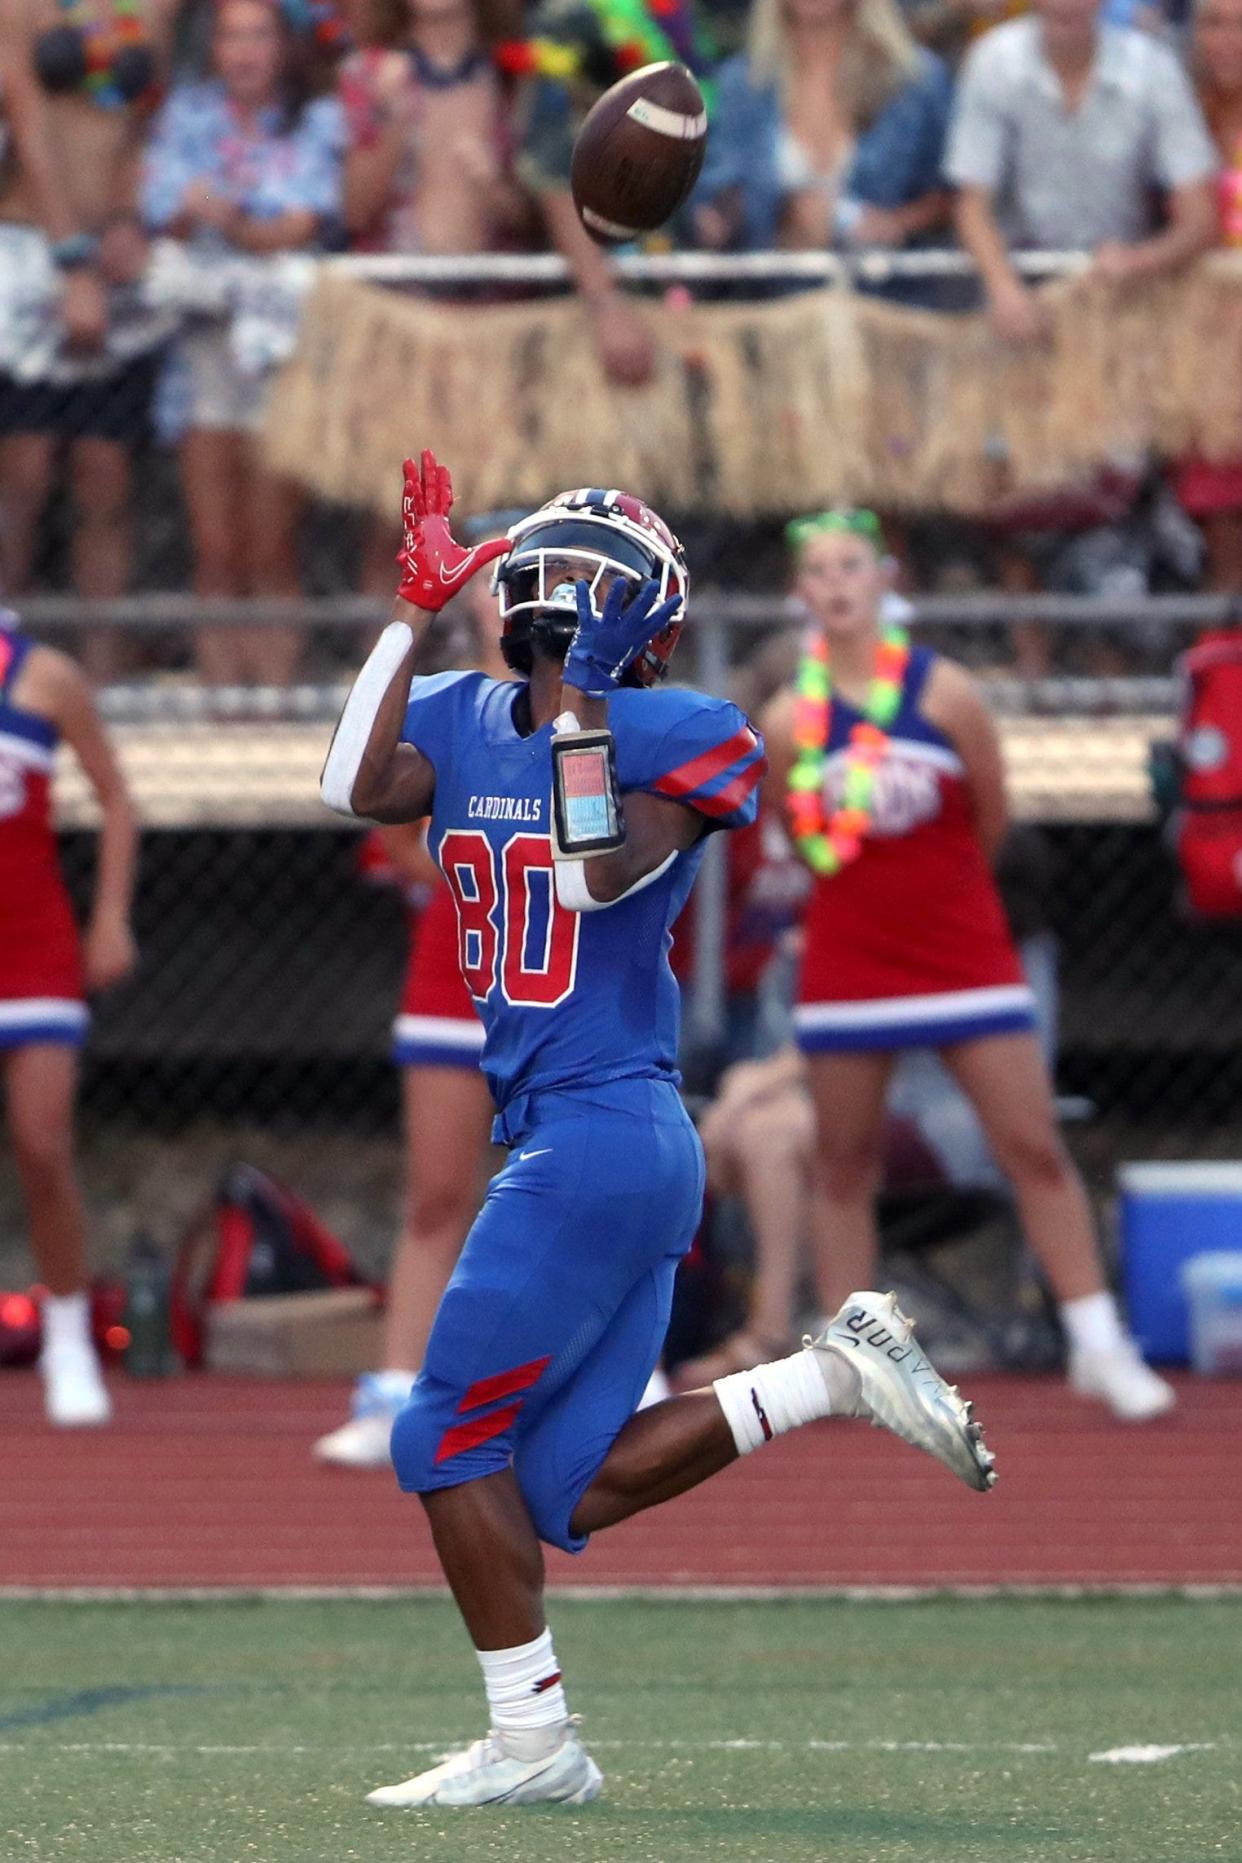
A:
x: 255, y: 1238
x: 1209, y: 826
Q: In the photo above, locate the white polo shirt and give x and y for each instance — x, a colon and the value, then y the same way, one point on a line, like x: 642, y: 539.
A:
x: 1073, y: 179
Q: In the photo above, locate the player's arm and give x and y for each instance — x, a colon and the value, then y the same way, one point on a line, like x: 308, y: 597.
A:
x: 954, y: 703
x: 110, y: 952
x: 369, y: 771
x: 604, y: 851
x: 656, y: 829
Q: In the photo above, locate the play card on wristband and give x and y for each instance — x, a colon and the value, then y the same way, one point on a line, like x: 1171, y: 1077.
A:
x: 586, y: 806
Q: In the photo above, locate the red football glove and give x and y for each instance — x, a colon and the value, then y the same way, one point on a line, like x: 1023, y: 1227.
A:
x: 433, y: 565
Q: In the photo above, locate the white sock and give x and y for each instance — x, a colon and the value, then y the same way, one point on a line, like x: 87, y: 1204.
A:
x: 1092, y: 1323
x: 525, y: 1697
x: 66, y: 1322
x: 772, y: 1399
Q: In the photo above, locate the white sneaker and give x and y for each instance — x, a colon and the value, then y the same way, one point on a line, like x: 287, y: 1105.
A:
x: 363, y: 1441
x: 484, y: 1774
x: 902, y: 1390
x: 74, y: 1395
x: 1119, y: 1377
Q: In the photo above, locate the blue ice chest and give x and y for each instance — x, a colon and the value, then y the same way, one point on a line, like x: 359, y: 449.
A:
x: 1167, y: 1213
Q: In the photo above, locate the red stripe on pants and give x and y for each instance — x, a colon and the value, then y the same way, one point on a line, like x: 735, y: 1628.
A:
x: 463, y: 1436
x: 504, y: 1384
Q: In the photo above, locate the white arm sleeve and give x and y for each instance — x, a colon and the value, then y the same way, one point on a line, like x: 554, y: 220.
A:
x: 353, y: 732
x: 575, y: 895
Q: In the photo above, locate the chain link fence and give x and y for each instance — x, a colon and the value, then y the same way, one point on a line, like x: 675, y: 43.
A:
x: 257, y: 1026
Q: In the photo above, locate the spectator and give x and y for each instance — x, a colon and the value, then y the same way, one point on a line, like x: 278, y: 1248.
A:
x: 1068, y: 134
x: 1212, y: 491
x: 1062, y: 133
x: 428, y: 159
x: 759, y: 1132
x: 428, y: 147
x: 244, y: 163
x: 45, y: 973
x: 77, y: 87
x: 894, y: 782
x: 574, y: 53
x: 829, y: 130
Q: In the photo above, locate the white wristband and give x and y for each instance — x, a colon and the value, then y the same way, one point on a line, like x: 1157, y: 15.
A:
x: 575, y: 895
x: 357, y: 721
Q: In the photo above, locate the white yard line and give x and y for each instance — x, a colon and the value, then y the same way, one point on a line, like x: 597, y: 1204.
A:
x: 1150, y: 1756
x: 166, y: 1749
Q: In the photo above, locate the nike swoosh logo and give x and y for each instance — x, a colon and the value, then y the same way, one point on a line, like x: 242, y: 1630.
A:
x: 524, y: 1155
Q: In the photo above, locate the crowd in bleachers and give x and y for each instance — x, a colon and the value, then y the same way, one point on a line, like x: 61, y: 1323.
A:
x: 445, y: 126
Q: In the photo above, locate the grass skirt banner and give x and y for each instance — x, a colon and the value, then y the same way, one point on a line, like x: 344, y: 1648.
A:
x: 763, y: 409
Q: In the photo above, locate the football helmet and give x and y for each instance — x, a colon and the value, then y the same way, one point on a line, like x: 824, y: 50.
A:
x: 600, y: 533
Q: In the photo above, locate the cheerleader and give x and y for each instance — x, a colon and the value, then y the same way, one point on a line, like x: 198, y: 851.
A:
x: 892, y: 775
x: 446, y: 1109
x: 45, y: 974
x: 446, y: 1114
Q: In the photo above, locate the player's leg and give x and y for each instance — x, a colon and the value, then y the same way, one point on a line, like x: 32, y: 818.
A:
x: 1006, y: 1079
x: 592, y: 1199
x: 849, y: 1093
x: 591, y: 1458
x: 446, y: 1117
x: 579, y: 1329
x: 40, y: 1083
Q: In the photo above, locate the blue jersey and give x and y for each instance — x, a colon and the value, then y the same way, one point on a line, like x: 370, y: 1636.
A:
x: 569, y: 999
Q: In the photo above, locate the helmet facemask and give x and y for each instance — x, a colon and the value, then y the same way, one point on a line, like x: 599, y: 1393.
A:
x: 538, y: 602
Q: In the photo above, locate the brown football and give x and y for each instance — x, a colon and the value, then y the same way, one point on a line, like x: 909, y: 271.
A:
x: 639, y: 152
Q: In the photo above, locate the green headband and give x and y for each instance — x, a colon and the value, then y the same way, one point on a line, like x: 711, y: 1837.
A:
x: 850, y: 523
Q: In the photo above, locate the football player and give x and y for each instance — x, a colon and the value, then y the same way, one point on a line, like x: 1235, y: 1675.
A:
x: 568, y: 815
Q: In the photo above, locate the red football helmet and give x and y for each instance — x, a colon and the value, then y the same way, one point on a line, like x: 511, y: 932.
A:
x: 608, y: 532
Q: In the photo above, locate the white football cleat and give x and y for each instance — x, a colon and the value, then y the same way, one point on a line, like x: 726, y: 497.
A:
x: 378, y: 1398
x: 1120, y: 1378
x: 74, y: 1394
x: 484, y: 1774
x: 901, y: 1389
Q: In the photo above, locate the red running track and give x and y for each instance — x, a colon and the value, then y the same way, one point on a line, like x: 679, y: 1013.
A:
x: 209, y: 1482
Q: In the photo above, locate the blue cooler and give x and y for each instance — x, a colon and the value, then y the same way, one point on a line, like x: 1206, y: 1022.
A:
x: 1168, y: 1213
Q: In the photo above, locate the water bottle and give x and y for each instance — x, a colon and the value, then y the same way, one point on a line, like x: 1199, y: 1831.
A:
x: 149, y: 1353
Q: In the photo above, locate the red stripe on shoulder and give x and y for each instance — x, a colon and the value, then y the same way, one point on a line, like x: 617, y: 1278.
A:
x: 462, y: 1436
x: 504, y: 1384
x: 709, y: 764
x: 734, y: 794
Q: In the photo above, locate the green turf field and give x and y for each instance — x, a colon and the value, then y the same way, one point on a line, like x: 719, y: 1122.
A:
x: 940, y: 1730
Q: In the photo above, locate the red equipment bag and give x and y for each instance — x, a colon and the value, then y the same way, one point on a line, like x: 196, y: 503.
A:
x: 1209, y: 826
x: 256, y: 1237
